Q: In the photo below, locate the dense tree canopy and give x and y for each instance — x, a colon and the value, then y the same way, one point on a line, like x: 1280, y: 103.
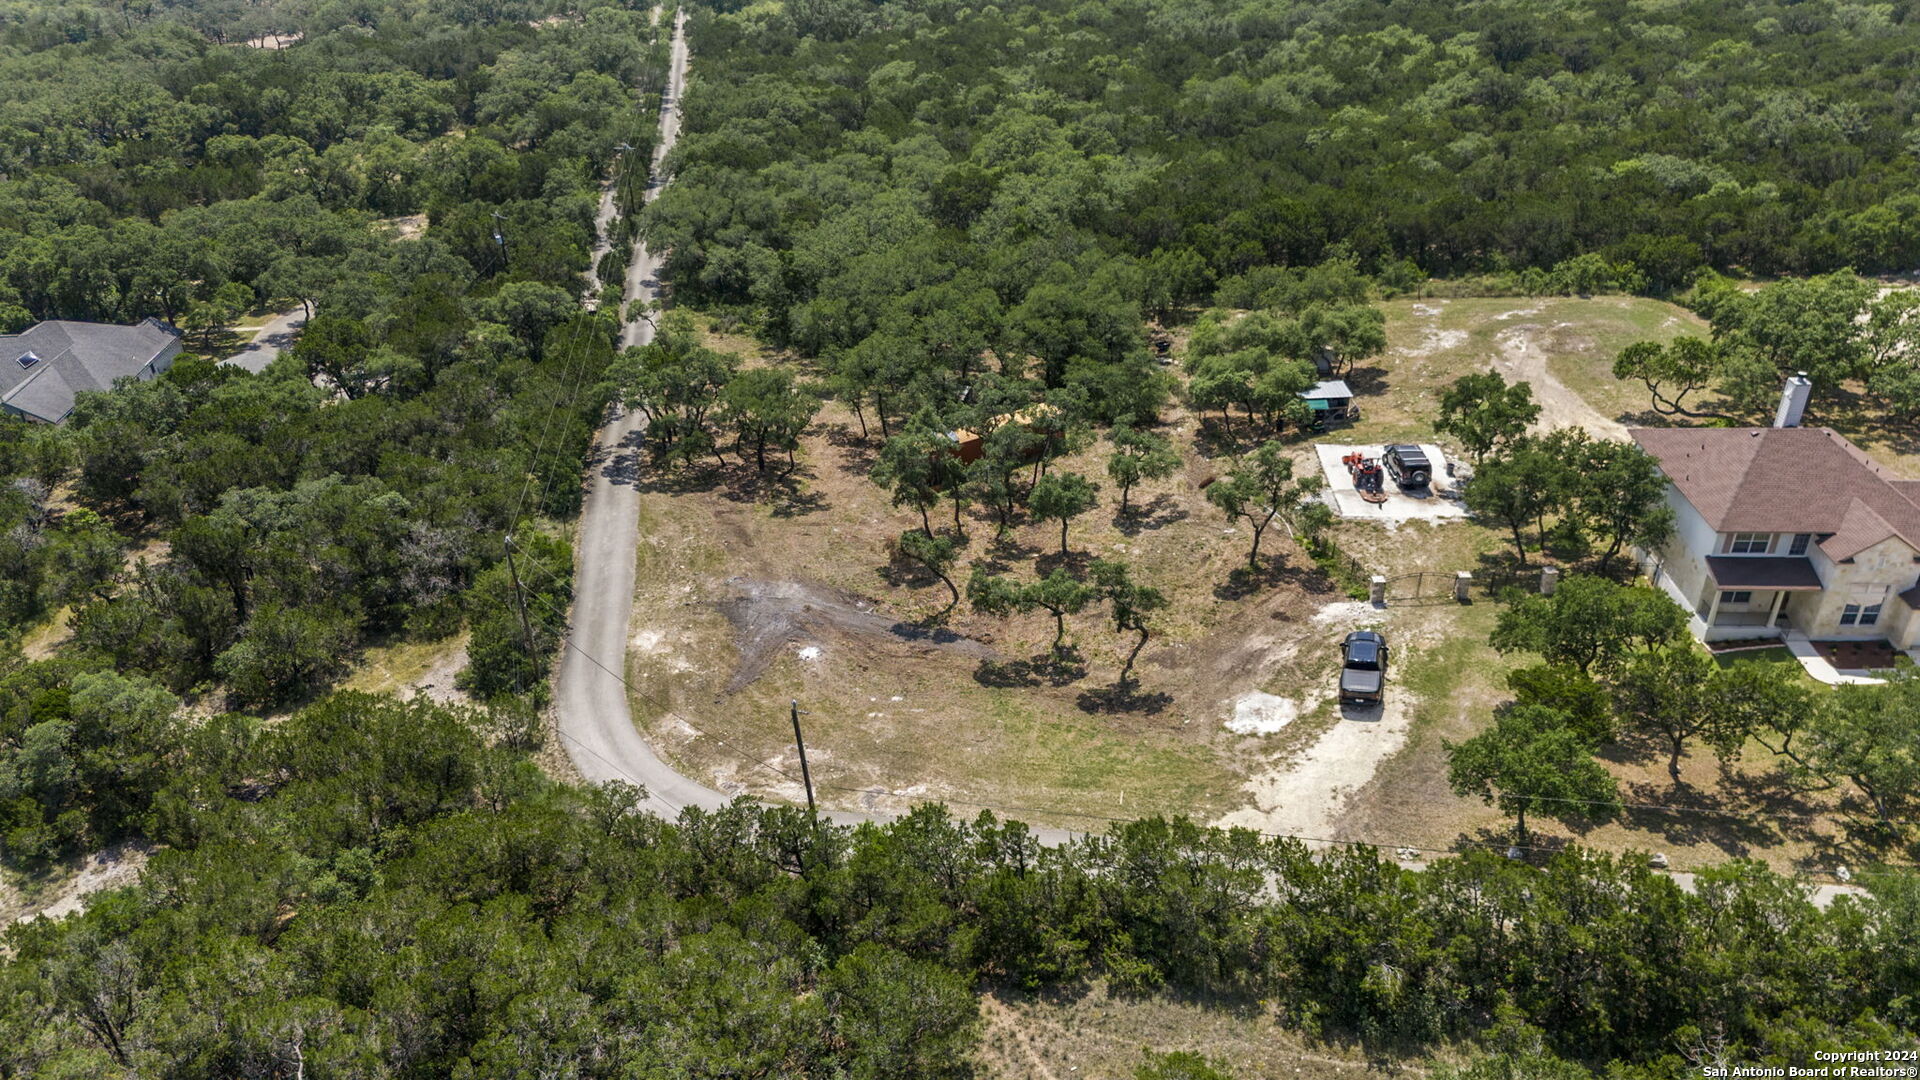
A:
x: 381, y: 889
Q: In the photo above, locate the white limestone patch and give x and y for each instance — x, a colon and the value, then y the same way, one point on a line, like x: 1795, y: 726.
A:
x: 1258, y: 713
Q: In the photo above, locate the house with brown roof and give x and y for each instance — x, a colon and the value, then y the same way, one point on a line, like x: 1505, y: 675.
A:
x: 1787, y: 530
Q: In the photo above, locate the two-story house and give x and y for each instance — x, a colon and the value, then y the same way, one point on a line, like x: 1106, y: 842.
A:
x: 1787, y: 529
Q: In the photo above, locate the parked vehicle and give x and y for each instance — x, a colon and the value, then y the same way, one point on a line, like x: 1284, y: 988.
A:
x: 1408, y: 465
x: 1363, y: 668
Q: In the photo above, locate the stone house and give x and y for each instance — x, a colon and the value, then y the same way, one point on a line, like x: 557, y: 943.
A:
x: 1787, y: 529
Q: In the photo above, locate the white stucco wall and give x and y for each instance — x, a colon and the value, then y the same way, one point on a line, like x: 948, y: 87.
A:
x: 1685, y: 556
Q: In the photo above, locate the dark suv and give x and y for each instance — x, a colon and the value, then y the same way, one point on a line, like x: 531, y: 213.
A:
x: 1363, y: 670
x: 1408, y: 465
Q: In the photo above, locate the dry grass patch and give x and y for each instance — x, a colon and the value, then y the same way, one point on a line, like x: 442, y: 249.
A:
x: 406, y: 668
x: 1565, y: 346
x: 1094, y: 1035
x: 753, y: 590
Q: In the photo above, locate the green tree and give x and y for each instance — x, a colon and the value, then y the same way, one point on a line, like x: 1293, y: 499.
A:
x: 1059, y: 594
x: 211, y: 316
x: 768, y: 408
x: 1620, y: 495
x: 677, y: 383
x: 1532, y: 761
x: 1517, y: 489
x: 1062, y: 497
x: 1672, y: 693
x: 336, y: 349
x: 1865, y: 734
x: 286, y: 652
x: 911, y: 465
x: 1485, y: 413
x: 1585, y: 703
x: 900, y: 1016
x: 1673, y: 372
x: 1129, y: 603
x: 1348, y: 332
x: 1589, y: 624
x: 1795, y: 324
x: 83, y: 558
x: 937, y: 554
x: 1261, y: 488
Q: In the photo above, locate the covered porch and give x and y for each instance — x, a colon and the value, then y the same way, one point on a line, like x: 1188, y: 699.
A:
x: 1747, y: 596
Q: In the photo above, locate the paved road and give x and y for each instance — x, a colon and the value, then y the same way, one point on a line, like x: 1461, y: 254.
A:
x: 269, y: 340
x: 596, y: 724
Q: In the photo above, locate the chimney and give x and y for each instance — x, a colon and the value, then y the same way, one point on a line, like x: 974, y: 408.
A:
x: 1793, y: 401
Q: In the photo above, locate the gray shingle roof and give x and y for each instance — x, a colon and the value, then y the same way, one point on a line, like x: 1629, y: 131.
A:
x: 73, y: 357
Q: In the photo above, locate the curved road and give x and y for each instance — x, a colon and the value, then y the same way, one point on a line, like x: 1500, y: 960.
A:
x: 594, y: 715
x: 595, y: 721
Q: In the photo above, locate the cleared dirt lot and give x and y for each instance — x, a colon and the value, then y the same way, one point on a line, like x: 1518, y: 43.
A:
x: 756, y: 590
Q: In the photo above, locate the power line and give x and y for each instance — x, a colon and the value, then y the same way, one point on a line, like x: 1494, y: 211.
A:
x: 1744, y: 815
x: 1422, y: 847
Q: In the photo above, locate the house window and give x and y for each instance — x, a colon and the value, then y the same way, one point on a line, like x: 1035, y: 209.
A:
x: 1800, y: 542
x: 1749, y: 543
x: 27, y: 359
x: 1864, y: 606
x: 1742, y: 596
x: 1859, y: 614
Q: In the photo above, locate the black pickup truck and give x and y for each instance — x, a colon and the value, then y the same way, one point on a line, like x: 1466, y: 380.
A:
x: 1363, y: 672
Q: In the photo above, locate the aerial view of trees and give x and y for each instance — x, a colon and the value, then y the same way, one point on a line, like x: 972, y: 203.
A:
x: 982, y: 230
x: 441, y: 397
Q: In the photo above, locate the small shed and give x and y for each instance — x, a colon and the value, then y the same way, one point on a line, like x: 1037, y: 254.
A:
x: 1041, y: 418
x: 1331, y: 402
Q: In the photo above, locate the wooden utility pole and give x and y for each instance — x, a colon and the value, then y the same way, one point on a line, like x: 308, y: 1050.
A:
x: 520, y: 601
x: 805, y: 776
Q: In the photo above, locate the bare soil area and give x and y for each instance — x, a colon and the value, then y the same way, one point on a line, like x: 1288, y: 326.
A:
x: 756, y: 591
x: 64, y: 890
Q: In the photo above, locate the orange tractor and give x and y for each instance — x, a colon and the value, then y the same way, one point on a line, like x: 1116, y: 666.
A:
x: 1368, y: 479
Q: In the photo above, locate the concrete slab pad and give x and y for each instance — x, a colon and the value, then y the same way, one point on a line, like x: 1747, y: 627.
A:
x: 1441, y: 502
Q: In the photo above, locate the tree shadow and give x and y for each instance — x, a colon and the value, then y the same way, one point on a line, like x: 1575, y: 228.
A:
x: 932, y: 629
x: 1689, y: 816
x: 1163, y: 511
x: 1274, y: 570
x: 1049, y: 668
x: 1214, y: 439
x: 785, y: 490
x: 792, y: 500
x: 1537, y: 850
x: 1123, y: 698
x: 1073, y: 562
x: 857, y: 455
x: 1003, y: 553
x: 1497, y: 571
x: 1241, y: 583
x: 1367, y: 381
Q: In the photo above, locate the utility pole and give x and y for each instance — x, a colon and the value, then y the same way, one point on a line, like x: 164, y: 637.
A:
x: 805, y: 776
x: 625, y: 183
x: 520, y: 601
